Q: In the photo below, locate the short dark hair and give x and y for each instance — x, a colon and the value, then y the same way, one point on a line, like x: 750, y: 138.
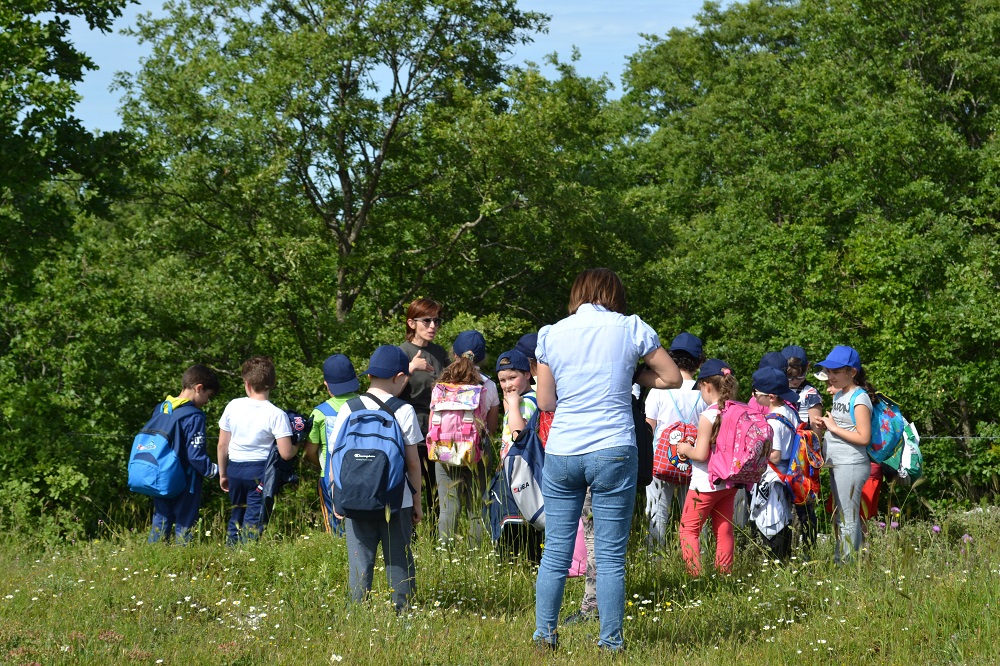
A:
x: 258, y: 372
x: 421, y: 307
x: 685, y: 361
x: 201, y: 374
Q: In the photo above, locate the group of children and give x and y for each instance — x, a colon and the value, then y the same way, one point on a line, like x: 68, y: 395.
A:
x: 252, y: 430
x: 253, y: 433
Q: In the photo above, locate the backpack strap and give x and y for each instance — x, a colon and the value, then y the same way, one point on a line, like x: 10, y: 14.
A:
x: 326, y: 409
x: 774, y: 416
x: 854, y: 398
x: 391, y: 405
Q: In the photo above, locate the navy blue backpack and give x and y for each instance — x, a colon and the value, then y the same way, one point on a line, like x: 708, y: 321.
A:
x: 155, y: 465
x: 366, y: 465
x: 523, y: 469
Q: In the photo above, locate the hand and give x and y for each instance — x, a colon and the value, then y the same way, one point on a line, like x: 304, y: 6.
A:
x: 418, y: 512
x: 420, y: 363
x: 827, y: 421
x: 224, y: 483
x: 339, y: 517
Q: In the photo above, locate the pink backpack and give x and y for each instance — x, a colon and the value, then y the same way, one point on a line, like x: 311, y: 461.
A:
x: 454, y: 434
x: 740, y: 454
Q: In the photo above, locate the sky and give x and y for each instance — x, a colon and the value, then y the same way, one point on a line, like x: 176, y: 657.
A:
x: 605, y: 33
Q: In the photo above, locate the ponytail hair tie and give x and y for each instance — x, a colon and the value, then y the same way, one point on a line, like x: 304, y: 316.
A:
x: 469, y: 355
x: 726, y: 372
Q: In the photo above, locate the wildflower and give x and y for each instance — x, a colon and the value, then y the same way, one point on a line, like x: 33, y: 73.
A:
x: 881, y: 524
x: 894, y: 524
x: 895, y: 510
x: 967, y: 538
x: 936, y: 529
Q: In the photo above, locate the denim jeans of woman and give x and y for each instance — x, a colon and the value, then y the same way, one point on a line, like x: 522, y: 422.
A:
x: 611, y: 475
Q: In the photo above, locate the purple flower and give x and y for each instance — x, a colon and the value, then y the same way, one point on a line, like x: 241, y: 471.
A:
x: 895, y: 510
x: 966, y: 538
x: 894, y: 524
x: 881, y: 524
x: 936, y: 529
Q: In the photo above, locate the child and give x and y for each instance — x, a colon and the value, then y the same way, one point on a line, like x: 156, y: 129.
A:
x: 514, y: 375
x: 249, y: 427
x: 199, y: 384
x: 810, y: 405
x: 464, y: 485
x: 389, y: 370
x: 770, y: 503
x: 717, y: 385
x: 848, y: 433
x: 664, y: 408
x: 341, y: 382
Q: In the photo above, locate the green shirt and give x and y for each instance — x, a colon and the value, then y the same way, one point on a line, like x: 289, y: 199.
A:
x: 318, y: 433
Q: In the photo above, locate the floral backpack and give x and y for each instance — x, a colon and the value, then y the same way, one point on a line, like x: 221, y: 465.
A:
x: 801, y: 474
x: 740, y: 454
x: 455, y: 430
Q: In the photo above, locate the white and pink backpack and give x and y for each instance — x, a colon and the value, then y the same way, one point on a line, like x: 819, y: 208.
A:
x: 454, y: 433
x: 741, y: 448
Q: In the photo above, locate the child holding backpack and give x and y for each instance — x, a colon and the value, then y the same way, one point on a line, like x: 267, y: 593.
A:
x: 465, y: 483
x: 810, y: 412
x: 514, y: 375
x: 389, y: 370
x: 248, y: 428
x: 717, y: 384
x: 848, y: 432
x: 665, y: 407
x: 770, y: 502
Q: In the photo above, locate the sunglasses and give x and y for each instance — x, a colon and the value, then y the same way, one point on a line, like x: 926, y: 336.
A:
x: 427, y: 321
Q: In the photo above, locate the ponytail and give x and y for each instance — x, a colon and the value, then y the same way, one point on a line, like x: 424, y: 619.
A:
x: 462, y: 371
x: 861, y: 379
x: 728, y: 388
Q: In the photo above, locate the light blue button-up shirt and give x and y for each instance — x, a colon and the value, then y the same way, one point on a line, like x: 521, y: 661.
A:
x: 592, y: 355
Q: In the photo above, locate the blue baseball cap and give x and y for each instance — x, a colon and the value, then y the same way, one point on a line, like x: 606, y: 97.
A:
x: 775, y: 382
x: 513, y: 360
x: 794, y: 351
x: 688, y: 343
x: 526, y: 345
x: 339, y: 375
x: 388, y: 361
x: 713, y: 367
x: 842, y: 356
x: 773, y: 360
x: 470, y: 341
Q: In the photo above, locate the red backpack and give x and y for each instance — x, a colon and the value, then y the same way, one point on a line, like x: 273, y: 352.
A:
x: 668, y: 465
x: 741, y: 448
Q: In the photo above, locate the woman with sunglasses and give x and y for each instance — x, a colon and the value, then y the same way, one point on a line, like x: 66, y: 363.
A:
x: 427, y: 361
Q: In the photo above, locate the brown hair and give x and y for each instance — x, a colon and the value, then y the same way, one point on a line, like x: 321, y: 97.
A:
x: 600, y: 286
x: 684, y: 361
x: 728, y: 388
x: 421, y: 307
x: 201, y: 374
x: 258, y: 372
x: 463, y: 370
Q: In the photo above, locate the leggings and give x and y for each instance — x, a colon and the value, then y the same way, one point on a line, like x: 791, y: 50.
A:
x: 698, y: 506
x: 850, y: 469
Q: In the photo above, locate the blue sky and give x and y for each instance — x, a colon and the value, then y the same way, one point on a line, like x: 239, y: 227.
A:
x: 606, y: 33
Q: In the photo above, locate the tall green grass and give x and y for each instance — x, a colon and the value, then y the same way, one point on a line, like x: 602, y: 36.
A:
x: 918, y: 595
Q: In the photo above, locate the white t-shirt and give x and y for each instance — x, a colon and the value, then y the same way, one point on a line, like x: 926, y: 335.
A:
x: 490, y: 396
x: 406, y: 417
x: 668, y: 406
x: 254, y: 425
x: 699, y: 468
x: 782, y: 441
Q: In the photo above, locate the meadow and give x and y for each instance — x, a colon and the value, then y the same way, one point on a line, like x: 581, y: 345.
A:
x: 923, y: 592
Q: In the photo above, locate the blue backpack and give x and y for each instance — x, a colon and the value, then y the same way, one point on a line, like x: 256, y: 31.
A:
x: 888, y: 424
x: 155, y: 465
x: 523, y: 469
x: 366, y: 465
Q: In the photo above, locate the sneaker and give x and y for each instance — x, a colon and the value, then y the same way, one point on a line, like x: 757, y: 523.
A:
x: 544, y: 646
x: 580, y: 616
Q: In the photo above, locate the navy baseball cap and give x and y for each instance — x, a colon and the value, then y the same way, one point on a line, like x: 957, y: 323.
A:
x: 842, y: 356
x: 688, y: 343
x: 773, y: 360
x: 339, y: 375
x: 513, y: 360
x: 713, y: 367
x: 470, y: 341
x: 388, y: 361
x: 526, y: 345
x: 794, y: 351
x: 775, y: 382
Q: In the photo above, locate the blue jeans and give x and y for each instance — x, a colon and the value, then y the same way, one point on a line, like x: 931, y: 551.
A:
x: 611, y: 475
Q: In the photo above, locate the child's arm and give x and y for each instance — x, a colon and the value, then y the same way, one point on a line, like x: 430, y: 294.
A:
x: 702, y: 448
x: 196, y: 453
x: 223, y: 453
x: 512, y: 406
x: 413, y: 474
x: 312, y: 454
x: 287, y: 450
x: 816, y: 419
x: 862, y: 436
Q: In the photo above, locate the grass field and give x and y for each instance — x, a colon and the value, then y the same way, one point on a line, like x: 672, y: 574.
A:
x: 924, y: 593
